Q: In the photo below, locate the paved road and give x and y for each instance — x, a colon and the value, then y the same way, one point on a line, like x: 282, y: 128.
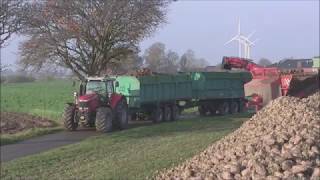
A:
x: 43, y: 143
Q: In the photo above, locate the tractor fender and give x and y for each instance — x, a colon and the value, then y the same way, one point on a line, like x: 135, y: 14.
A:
x: 115, y: 99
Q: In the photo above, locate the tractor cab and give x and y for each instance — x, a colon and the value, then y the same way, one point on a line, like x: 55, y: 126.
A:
x: 102, y: 86
x: 97, y: 105
x: 96, y: 91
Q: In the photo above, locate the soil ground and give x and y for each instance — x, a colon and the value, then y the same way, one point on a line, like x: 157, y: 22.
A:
x: 12, y: 123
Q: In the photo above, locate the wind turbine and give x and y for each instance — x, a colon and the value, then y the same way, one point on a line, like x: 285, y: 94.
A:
x: 248, y: 44
x: 243, y: 40
x: 237, y: 38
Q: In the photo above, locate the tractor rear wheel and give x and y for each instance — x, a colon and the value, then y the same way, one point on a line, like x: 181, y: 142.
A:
x: 69, y: 116
x: 122, y: 115
x: 157, y: 115
x: 174, y: 113
x: 224, y: 108
x: 104, y: 119
x: 234, y: 108
x: 167, y: 113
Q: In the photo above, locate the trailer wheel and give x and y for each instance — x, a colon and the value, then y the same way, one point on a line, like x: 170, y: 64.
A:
x: 167, y: 113
x: 242, y: 106
x: 234, y: 107
x: 157, y: 115
x: 122, y: 115
x: 212, y: 109
x: 202, y: 110
x: 104, y: 119
x: 224, y: 108
x: 133, y: 117
x: 69, y: 116
x: 175, y: 113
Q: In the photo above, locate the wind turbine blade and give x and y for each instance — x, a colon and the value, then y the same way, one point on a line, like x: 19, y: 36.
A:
x: 243, y: 38
x: 239, y: 27
x: 254, y: 42
x: 252, y: 33
x: 232, y: 39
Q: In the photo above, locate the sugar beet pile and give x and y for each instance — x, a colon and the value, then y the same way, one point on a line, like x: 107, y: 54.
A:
x: 282, y: 141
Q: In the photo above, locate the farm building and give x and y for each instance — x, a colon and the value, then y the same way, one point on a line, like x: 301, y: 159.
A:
x: 316, y: 62
x: 293, y: 63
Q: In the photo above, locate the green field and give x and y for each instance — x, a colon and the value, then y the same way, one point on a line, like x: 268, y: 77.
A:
x: 136, y: 153
x: 45, y: 99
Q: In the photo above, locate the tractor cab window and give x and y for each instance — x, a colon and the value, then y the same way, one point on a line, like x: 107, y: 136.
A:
x: 98, y: 87
x: 109, y: 87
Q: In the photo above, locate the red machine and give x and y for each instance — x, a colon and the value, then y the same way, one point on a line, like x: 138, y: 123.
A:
x: 258, y: 72
x: 295, y: 82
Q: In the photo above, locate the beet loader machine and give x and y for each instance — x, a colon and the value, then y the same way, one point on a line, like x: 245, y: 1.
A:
x: 272, y: 82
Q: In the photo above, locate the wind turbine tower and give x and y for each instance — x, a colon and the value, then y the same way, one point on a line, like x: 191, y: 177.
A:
x: 248, y: 44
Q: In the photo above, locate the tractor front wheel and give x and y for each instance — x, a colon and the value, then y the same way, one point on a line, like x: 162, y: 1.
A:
x: 69, y: 117
x: 104, y: 119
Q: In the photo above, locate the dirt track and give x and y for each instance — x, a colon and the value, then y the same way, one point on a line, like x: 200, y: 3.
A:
x: 43, y: 143
x: 51, y: 141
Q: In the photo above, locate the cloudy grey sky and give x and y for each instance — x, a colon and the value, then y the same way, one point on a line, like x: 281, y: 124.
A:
x: 285, y: 29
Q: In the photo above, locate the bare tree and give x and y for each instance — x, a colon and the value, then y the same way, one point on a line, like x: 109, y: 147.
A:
x: 171, y: 62
x: 264, y: 62
x: 133, y: 63
x: 159, y: 60
x: 10, y: 18
x: 189, y: 61
x: 3, y: 68
x: 87, y: 36
x: 155, y: 56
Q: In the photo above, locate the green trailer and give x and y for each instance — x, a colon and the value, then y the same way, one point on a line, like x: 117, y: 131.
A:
x: 219, y: 92
x: 163, y: 96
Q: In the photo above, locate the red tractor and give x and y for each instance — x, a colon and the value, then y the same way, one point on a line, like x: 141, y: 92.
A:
x: 97, y: 105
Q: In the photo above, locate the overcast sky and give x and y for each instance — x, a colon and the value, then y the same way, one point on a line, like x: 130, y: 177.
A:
x: 285, y: 29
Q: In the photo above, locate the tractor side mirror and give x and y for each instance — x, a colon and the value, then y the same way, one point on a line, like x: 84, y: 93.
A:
x: 81, y: 89
x: 117, y: 84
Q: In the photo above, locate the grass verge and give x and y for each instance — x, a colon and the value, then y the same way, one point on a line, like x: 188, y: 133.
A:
x: 41, y: 98
x: 136, y: 153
